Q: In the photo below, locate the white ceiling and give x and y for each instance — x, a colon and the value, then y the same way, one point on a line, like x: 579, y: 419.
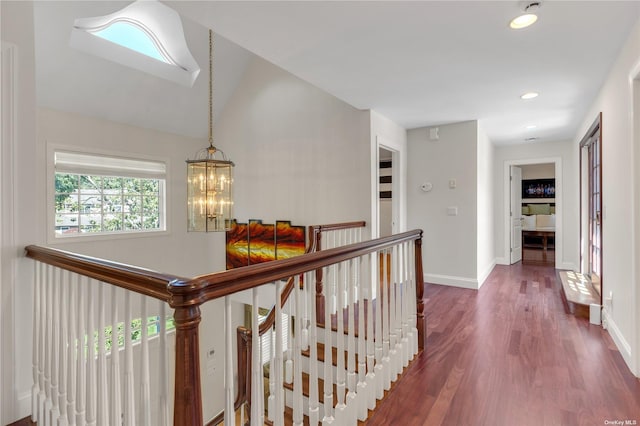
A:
x: 419, y: 63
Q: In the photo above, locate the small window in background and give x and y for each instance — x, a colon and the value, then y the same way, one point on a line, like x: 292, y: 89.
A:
x: 107, y: 195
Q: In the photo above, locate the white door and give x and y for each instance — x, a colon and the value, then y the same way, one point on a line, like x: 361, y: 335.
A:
x: 516, y: 214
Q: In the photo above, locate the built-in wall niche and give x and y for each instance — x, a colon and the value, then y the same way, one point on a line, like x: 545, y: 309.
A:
x: 538, y: 189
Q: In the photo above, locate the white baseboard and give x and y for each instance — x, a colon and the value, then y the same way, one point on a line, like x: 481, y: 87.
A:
x: 23, y: 409
x: 621, y: 343
x: 483, y: 277
x: 502, y: 261
x: 462, y: 282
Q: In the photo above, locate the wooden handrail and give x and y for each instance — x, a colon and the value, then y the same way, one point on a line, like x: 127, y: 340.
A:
x: 133, y: 278
x: 213, y: 286
x: 186, y: 296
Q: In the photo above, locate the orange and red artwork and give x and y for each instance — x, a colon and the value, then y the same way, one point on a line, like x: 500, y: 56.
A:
x: 290, y: 240
x: 256, y: 242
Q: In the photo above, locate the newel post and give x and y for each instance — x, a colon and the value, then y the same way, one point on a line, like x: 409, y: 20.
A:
x: 421, y: 322
x: 319, y: 284
x: 188, y: 394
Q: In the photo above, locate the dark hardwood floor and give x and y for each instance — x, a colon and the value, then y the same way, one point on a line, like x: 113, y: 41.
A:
x: 508, y: 354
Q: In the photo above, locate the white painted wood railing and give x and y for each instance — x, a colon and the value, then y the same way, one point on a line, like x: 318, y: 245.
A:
x: 373, y: 291
x: 100, y: 352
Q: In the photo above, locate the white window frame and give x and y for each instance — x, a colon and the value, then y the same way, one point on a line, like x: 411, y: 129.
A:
x: 105, y: 170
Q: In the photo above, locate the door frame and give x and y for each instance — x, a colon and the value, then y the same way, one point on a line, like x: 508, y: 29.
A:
x: 585, y: 207
x: 557, y: 161
x: 398, y: 185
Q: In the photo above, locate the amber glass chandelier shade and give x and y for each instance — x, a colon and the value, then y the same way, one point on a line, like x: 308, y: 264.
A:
x: 209, y: 192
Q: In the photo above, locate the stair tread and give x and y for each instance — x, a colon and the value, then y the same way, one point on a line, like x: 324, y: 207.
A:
x: 334, y: 355
x: 305, y: 388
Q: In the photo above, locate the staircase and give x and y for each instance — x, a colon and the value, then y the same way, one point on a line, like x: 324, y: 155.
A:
x: 355, y: 319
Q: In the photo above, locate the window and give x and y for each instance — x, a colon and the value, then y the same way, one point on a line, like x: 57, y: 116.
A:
x: 106, y: 195
x: 146, y: 35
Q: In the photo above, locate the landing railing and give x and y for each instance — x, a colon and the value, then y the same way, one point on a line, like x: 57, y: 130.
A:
x: 369, y: 358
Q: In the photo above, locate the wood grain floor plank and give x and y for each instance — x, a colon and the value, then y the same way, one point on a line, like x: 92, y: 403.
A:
x: 509, y: 354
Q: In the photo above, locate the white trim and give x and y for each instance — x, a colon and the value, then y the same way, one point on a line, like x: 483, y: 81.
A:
x: 558, y: 201
x: 634, y: 90
x: 617, y: 336
x: 53, y: 147
x: 483, y: 277
x: 9, y: 99
x: 469, y: 283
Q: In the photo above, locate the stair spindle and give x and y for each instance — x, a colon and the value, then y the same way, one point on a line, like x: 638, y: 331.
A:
x: 298, y: 415
x: 91, y: 359
x: 129, y: 378
x: 62, y: 348
x: 145, y: 385
x: 103, y: 393
x: 81, y: 352
x: 279, y: 379
x: 378, y: 284
x: 229, y: 412
x: 314, y: 406
x: 369, y: 284
x: 340, y: 368
x: 257, y: 386
x: 72, y: 350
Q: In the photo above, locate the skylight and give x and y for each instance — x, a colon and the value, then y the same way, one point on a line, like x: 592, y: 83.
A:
x: 132, y: 37
x: 146, y: 35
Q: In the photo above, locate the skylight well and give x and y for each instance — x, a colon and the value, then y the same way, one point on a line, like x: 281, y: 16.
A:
x: 146, y: 35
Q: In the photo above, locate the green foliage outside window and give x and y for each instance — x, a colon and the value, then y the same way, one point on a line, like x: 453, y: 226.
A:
x: 106, y: 204
x: 136, y: 332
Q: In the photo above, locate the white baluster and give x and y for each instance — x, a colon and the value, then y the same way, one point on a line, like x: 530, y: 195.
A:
x: 405, y: 307
x: 115, y: 385
x: 62, y: 348
x: 103, y: 389
x: 371, y: 375
x: 257, y: 386
x: 229, y: 412
x: 165, y: 417
x: 46, y: 412
x: 362, y: 356
x: 397, y: 312
x: 393, y: 337
x: 271, y: 401
x: 145, y: 385
x: 129, y: 378
x: 54, y: 412
x: 279, y: 379
x: 81, y: 352
x: 352, y: 378
x: 386, y: 303
x: 72, y: 349
x: 91, y: 383
x: 35, y: 355
x: 379, y: 274
x: 329, y: 307
x: 341, y: 385
x: 288, y: 364
x: 314, y: 406
x: 298, y: 415
x: 42, y: 340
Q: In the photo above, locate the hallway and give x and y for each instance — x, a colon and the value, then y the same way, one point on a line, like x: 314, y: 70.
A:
x: 509, y: 355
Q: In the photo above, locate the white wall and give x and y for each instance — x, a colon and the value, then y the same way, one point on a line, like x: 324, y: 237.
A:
x: 300, y: 153
x: 392, y: 137
x: 567, y: 255
x: 450, y: 242
x: 17, y: 29
x: 621, y: 198
x: 538, y: 171
x: 486, y: 193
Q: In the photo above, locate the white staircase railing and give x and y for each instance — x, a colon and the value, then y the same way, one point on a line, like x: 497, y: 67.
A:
x: 103, y: 346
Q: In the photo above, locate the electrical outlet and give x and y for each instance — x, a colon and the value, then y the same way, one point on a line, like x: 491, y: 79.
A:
x: 211, y: 361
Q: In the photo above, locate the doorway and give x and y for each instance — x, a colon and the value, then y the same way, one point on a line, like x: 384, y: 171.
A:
x: 533, y: 211
x: 591, y: 205
x: 385, y: 192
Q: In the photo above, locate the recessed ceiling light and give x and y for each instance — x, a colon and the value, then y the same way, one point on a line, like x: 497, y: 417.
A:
x: 523, y: 21
x: 531, y: 127
x: 529, y: 95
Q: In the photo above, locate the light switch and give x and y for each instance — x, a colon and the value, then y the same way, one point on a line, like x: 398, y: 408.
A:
x: 452, y: 211
x: 452, y: 183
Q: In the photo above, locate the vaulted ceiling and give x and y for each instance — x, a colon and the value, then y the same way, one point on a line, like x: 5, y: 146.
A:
x: 419, y: 63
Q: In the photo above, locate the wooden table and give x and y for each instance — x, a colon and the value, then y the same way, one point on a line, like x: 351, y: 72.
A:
x: 542, y: 239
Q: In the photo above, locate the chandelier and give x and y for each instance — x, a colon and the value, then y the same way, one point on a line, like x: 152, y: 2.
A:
x: 209, y: 179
